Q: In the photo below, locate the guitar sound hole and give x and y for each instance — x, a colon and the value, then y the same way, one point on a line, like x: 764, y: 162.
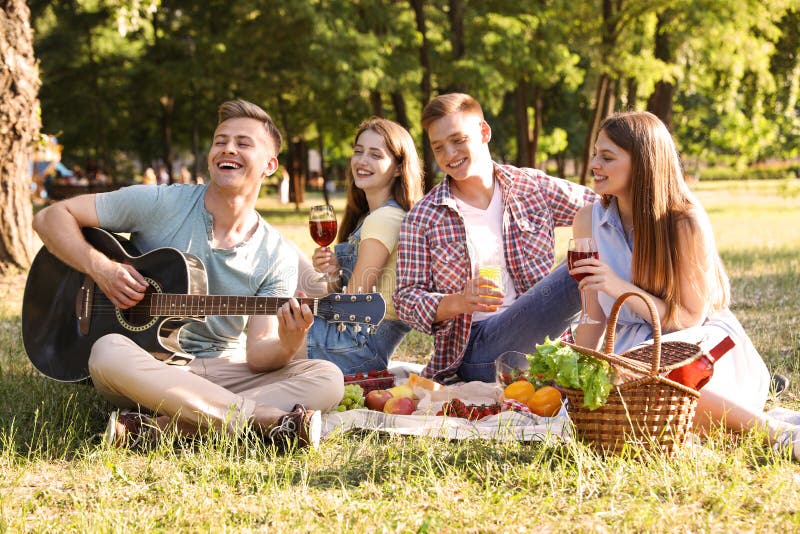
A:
x: 139, y: 315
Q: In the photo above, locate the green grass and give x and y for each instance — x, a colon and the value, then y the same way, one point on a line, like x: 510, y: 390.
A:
x: 56, y: 476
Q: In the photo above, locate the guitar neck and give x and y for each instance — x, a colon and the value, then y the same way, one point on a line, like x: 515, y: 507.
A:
x: 179, y: 305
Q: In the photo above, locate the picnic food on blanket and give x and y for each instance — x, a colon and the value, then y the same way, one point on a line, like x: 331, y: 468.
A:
x: 401, y: 391
x: 353, y: 398
x: 371, y: 380
x: 416, y: 381
x: 457, y: 408
x: 396, y: 400
x: 399, y: 406
x: 510, y: 366
x: 521, y: 391
x: 545, y: 402
x: 376, y: 399
x: 554, y: 361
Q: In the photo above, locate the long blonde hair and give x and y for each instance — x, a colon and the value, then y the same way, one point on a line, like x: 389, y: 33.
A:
x: 662, y: 202
x: 407, y: 188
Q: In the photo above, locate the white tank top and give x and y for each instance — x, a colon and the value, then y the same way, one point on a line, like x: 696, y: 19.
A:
x: 485, y: 244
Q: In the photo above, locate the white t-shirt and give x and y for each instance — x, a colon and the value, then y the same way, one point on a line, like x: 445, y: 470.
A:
x: 485, y: 244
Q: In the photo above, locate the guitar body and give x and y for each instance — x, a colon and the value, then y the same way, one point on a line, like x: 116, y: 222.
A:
x: 58, y: 338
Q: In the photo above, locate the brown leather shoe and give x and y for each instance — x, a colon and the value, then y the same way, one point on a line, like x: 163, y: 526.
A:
x: 126, y: 429
x: 300, y: 427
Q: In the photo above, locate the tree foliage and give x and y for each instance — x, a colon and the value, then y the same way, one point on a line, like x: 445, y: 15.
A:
x: 141, y: 79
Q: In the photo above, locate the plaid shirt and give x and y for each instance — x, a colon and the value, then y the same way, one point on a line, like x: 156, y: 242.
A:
x: 433, y: 259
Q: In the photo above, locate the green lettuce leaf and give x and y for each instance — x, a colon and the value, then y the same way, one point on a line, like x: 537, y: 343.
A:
x: 559, y: 363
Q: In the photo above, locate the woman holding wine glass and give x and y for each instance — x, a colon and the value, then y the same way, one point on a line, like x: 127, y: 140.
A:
x: 654, y: 237
x: 384, y: 179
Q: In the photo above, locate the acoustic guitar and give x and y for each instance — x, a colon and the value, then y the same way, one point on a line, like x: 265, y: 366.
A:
x: 64, y: 312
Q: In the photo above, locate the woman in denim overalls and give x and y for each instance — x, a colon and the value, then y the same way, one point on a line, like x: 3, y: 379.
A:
x: 384, y: 180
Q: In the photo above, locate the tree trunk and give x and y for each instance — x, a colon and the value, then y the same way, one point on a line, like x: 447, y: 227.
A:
x: 456, y: 16
x: 600, y: 100
x: 660, y: 102
x: 322, y: 171
x: 631, y: 93
x: 167, y: 105
x: 298, y: 170
x: 400, y: 112
x: 521, y: 123
x: 376, y: 102
x: 538, y: 109
x: 561, y: 165
x: 19, y: 117
x: 610, y: 101
x: 425, y: 87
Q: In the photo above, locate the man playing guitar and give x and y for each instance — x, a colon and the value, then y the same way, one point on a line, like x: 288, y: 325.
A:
x: 234, y: 381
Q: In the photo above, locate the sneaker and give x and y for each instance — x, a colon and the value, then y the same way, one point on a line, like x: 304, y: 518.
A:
x: 126, y: 429
x: 778, y: 384
x: 300, y: 426
x: 789, y: 440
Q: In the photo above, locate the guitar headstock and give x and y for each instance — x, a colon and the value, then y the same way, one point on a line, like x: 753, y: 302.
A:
x: 360, y: 309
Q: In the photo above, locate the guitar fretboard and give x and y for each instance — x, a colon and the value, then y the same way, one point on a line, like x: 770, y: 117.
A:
x: 178, y: 305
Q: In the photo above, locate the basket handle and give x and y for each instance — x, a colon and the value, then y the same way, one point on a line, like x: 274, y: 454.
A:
x: 612, y: 326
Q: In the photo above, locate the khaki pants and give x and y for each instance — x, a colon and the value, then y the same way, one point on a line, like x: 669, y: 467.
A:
x: 221, y: 391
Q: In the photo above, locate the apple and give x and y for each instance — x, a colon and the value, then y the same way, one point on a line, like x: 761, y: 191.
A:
x: 403, y: 390
x: 376, y: 399
x: 399, y: 406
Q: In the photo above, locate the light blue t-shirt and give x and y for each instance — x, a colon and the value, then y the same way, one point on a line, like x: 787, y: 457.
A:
x: 175, y: 216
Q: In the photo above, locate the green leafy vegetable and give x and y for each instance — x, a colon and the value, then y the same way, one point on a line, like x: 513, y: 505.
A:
x: 571, y: 369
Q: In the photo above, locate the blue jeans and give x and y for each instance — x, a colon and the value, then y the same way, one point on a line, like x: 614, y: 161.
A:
x: 355, y: 352
x: 546, y: 309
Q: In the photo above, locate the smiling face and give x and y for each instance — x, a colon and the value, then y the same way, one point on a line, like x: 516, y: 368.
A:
x: 460, y: 145
x: 611, y: 166
x: 373, y: 165
x: 241, y: 154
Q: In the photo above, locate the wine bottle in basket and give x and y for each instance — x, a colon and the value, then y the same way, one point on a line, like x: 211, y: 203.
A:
x: 697, y: 373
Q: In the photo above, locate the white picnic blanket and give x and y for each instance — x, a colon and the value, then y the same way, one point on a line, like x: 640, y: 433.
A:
x: 509, y: 425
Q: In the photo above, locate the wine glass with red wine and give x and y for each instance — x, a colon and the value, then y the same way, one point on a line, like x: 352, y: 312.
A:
x: 322, y: 225
x: 581, y: 248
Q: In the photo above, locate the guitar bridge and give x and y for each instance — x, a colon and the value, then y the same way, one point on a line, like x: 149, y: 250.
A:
x: 83, y: 305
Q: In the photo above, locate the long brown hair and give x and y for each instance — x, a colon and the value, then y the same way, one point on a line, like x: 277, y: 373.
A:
x: 407, y: 188
x: 662, y: 202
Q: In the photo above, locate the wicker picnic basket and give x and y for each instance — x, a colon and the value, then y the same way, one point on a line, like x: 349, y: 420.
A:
x: 646, y: 409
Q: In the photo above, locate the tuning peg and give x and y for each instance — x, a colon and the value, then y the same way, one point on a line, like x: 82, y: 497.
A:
x: 372, y: 329
x: 374, y: 289
x: 341, y: 327
x: 359, y: 290
x: 357, y: 328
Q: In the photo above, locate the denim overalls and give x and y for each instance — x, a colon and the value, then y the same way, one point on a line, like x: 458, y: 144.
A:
x: 354, y: 352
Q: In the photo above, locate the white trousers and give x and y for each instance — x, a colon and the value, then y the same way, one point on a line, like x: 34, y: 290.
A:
x: 222, y: 392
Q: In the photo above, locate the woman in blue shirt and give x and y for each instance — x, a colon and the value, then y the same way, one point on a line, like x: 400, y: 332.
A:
x: 654, y: 237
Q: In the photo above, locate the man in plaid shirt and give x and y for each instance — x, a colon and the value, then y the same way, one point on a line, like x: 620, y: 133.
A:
x: 483, y: 214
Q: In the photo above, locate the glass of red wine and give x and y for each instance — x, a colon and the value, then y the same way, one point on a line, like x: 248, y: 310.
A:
x: 322, y: 225
x: 581, y: 248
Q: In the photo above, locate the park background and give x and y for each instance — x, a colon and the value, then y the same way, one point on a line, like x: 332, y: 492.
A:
x: 130, y: 84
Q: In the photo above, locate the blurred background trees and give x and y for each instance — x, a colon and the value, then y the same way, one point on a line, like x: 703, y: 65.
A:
x: 131, y: 83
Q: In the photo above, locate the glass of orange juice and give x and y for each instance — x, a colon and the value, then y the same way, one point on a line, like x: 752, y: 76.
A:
x: 492, y: 272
